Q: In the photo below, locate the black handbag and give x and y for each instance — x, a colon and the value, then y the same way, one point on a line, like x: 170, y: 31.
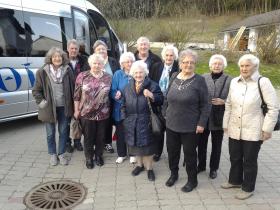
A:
x: 156, y: 120
x: 265, y: 109
x: 219, y: 110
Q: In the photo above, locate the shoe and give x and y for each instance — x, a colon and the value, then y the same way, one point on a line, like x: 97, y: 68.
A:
x: 243, y: 195
x: 228, y: 185
x: 99, y: 161
x: 62, y: 159
x: 189, y: 187
x: 78, y: 146
x: 156, y: 158
x: 69, y: 148
x: 137, y: 170
x: 132, y: 159
x: 120, y: 159
x: 89, y: 163
x: 213, y: 174
x: 109, y: 148
x: 171, y: 180
x: 200, y: 170
x: 151, y: 175
x: 53, y: 160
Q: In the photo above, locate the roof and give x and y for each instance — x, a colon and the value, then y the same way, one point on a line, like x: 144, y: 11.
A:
x: 268, y: 18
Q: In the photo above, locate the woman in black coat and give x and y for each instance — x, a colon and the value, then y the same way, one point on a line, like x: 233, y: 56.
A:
x: 136, y: 115
x: 161, y: 72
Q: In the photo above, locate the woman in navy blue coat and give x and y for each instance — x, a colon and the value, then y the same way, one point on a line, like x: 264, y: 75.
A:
x: 136, y: 115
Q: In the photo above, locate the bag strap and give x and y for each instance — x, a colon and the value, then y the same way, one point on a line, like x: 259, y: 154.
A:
x: 221, y: 90
x: 172, y: 78
x: 260, y: 90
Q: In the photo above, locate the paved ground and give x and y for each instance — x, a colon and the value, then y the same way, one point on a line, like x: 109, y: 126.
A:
x: 24, y: 164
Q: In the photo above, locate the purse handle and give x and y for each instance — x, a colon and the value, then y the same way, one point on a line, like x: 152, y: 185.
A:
x: 221, y: 90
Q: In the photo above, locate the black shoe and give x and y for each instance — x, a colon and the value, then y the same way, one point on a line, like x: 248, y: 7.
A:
x: 69, y: 148
x: 171, y: 180
x: 213, y: 174
x: 156, y: 158
x: 151, y: 175
x: 99, y: 161
x: 200, y: 170
x: 89, y: 163
x: 189, y: 187
x: 109, y: 148
x: 137, y: 170
x: 78, y: 146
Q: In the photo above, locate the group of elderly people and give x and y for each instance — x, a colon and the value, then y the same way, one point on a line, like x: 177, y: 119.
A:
x: 193, y: 107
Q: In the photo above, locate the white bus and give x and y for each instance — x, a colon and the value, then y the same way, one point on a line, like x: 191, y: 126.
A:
x: 28, y: 29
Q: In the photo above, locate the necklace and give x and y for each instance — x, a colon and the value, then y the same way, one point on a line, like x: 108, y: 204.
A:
x: 182, y: 85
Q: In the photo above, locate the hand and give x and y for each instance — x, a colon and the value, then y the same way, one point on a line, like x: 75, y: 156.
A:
x: 118, y: 95
x: 266, y: 136
x: 148, y: 93
x: 77, y: 114
x: 199, y: 129
x: 218, y: 101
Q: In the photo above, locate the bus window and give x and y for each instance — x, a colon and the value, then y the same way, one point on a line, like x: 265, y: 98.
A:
x: 82, y: 34
x: 12, y: 34
x: 102, y: 28
x: 45, y: 31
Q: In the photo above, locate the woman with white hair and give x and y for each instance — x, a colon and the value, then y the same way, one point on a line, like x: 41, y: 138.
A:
x: 186, y: 117
x: 161, y: 72
x: 218, y: 85
x: 120, y: 80
x: 246, y: 125
x: 136, y: 115
x: 92, y: 106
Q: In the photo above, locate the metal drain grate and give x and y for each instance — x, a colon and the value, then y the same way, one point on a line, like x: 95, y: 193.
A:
x: 58, y: 195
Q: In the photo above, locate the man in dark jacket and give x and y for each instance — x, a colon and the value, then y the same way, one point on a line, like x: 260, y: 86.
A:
x: 77, y: 63
x: 144, y: 53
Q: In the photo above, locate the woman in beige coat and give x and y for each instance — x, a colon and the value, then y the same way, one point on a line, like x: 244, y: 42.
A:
x: 246, y: 125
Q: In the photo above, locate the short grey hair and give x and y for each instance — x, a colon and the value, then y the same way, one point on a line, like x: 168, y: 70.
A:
x: 186, y: 53
x: 139, y: 65
x: 52, y: 51
x: 95, y: 57
x: 252, y: 58
x: 125, y: 56
x: 169, y: 47
x: 142, y: 39
x: 98, y: 43
x: 219, y: 57
x: 74, y: 42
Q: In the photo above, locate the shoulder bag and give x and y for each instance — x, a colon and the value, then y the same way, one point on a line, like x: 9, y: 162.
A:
x: 265, y: 109
x: 157, y: 121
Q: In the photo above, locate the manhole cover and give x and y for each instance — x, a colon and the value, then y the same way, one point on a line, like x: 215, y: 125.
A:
x: 58, y: 195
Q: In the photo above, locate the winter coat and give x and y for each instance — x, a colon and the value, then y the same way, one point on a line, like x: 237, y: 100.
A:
x: 43, y: 94
x: 151, y: 60
x: 243, y: 116
x: 214, y: 89
x: 136, y: 113
x: 156, y: 70
x: 114, y: 64
x: 82, y: 65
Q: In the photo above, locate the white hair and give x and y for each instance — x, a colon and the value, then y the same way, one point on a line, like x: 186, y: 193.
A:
x: 186, y: 53
x: 139, y: 65
x: 250, y: 57
x: 125, y: 56
x: 143, y: 39
x: 219, y: 57
x: 95, y: 57
x: 169, y: 47
x: 74, y: 42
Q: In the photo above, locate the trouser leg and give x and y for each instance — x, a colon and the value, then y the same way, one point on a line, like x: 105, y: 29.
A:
x: 50, y: 129
x: 63, y: 129
x: 121, y: 144
x: 173, y: 143
x: 101, y: 127
x: 160, y: 143
x: 108, y: 131
x: 217, y: 140
x: 189, y: 141
x: 236, y: 160
x: 250, y: 165
x: 202, y: 149
x: 89, y: 128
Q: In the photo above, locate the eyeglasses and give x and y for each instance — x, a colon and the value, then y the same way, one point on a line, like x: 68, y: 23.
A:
x: 188, y: 62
